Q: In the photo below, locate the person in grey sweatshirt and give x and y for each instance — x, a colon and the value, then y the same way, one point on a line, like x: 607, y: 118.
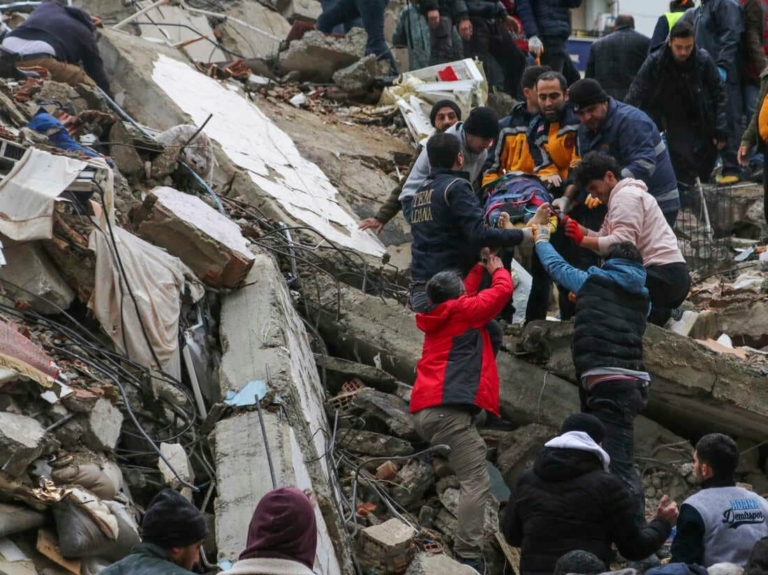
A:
x: 475, y: 135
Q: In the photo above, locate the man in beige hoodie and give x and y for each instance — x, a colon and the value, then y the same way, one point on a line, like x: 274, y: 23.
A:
x: 634, y: 216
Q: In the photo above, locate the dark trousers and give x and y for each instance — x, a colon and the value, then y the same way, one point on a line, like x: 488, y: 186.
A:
x: 346, y: 26
x: 446, y: 46
x: 668, y: 286
x: 419, y: 304
x: 372, y: 14
x: 765, y: 191
x: 556, y: 56
x: 617, y: 403
x: 495, y: 47
x: 734, y: 113
x: 693, y: 155
x: 671, y: 218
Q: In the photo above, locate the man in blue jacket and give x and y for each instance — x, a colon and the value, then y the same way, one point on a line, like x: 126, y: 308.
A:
x: 447, y: 221
x: 719, y: 28
x: 631, y: 137
x: 612, y: 305
x: 547, y: 23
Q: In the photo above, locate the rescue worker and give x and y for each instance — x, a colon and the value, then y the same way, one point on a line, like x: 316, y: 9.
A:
x: 444, y: 114
x: 756, y: 134
x: 665, y: 22
x: 449, y: 25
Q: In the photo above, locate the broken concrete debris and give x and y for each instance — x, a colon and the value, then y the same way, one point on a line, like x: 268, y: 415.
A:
x: 317, y: 57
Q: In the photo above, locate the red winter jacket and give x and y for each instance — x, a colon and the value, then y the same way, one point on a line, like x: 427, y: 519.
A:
x: 457, y: 365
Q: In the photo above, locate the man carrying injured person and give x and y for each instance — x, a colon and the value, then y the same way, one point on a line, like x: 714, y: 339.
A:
x: 612, y: 305
x: 457, y: 382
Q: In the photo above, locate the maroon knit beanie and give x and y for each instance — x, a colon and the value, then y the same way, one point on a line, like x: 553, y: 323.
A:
x: 283, y: 527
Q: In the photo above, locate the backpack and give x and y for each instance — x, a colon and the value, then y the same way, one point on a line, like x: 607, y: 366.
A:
x: 517, y: 194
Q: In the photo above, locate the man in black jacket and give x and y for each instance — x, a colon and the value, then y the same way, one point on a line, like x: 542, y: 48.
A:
x: 492, y: 43
x: 569, y: 501
x: 57, y: 38
x: 547, y: 23
x: 615, y: 60
x: 447, y: 221
x: 442, y: 16
x: 680, y: 88
x: 719, y: 26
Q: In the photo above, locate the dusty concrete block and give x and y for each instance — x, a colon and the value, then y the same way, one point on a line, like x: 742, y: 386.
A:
x: 361, y: 74
x: 519, y: 449
x: 412, y: 482
x: 122, y: 151
x: 178, y: 459
x: 317, y: 56
x: 188, y: 228
x: 386, y: 548
x: 21, y: 442
x: 103, y: 426
x: 431, y: 564
x: 302, y: 10
x: 370, y: 443
x: 389, y: 410
x: 30, y: 268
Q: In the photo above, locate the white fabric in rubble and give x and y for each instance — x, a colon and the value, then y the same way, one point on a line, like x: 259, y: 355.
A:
x: 157, y: 281
x: 581, y: 441
x: 28, y: 192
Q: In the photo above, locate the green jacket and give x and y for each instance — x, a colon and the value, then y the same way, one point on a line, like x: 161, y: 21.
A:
x: 146, y: 559
x: 390, y: 208
x: 751, y: 135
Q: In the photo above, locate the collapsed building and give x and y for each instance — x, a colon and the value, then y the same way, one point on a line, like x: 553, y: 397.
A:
x: 187, y: 303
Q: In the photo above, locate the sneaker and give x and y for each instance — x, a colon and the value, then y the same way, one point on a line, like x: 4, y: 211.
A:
x: 476, y: 563
x: 727, y: 180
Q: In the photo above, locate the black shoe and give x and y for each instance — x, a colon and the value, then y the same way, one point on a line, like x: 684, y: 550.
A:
x: 476, y: 563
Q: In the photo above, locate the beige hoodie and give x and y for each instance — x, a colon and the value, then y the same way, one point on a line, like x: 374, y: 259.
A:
x: 634, y: 216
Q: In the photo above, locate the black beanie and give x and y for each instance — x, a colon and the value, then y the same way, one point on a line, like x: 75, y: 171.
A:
x: 444, y: 104
x: 585, y: 422
x: 482, y: 122
x: 172, y: 521
x: 586, y: 92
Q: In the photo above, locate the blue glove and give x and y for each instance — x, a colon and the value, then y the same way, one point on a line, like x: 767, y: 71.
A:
x: 723, y: 74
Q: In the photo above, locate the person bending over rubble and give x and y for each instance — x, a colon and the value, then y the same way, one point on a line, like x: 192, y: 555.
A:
x: 457, y: 381
x: 445, y: 114
x: 722, y: 522
x: 56, y: 38
x: 634, y: 216
x: 611, y: 309
x: 172, y: 533
x: 568, y: 501
x: 447, y: 222
x: 282, y: 536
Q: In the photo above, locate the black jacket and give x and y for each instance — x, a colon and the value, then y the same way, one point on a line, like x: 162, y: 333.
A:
x: 663, y: 87
x: 448, y: 228
x: 567, y: 503
x: 486, y: 9
x: 69, y: 31
x: 456, y: 10
x: 146, y: 559
x: 615, y: 60
x: 611, y: 312
x: 546, y: 17
x: 719, y: 28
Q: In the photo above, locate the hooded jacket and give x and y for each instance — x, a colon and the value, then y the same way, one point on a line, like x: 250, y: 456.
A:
x: 510, y: 150
x: 719, y: 26
x: 473, y: 164
x: 662, y: 86
x: 448, y: 228
x: 547, y: 18
x: 457, y: 365
x: 630, y: 136
x: 69, y: 31
x: 568, y: 502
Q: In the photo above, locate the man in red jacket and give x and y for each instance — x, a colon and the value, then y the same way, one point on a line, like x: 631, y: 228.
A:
x: 457, y: 381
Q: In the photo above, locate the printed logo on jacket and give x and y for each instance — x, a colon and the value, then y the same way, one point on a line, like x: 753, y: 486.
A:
x: 743, y: 512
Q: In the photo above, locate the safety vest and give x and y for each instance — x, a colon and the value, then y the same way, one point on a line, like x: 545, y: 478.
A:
x: 673, y: 17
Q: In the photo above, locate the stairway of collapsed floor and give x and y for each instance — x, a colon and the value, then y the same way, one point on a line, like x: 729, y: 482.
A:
x: 186, y: 302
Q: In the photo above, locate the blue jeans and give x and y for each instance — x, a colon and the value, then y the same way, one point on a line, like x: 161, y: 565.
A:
x: 751, y: 93
x: 372, y: 14
x: 616, y: 404
x: 346, y: 26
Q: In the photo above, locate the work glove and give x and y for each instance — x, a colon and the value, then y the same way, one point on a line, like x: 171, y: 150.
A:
x: 592, y: 202
x: 535, y: 46
x: 542, y: 233
x: 723, y: 73
x: 573, y: 231
x: 563, y: 204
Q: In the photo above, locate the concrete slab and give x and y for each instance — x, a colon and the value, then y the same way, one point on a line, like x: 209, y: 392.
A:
x: 177, y: 457
x: 317, y: 56
x: 21, y: 442
x: 30, y: 268
x: 103, y: 426
x: 181, y: 26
